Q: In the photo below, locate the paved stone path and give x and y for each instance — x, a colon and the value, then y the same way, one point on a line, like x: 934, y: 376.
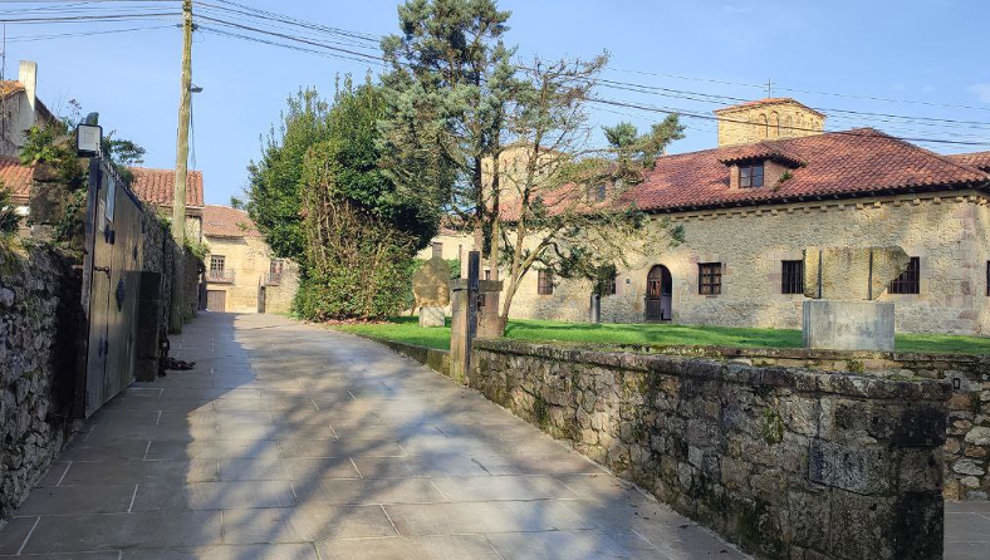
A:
x: 967, y: 531
x: 294, y: 442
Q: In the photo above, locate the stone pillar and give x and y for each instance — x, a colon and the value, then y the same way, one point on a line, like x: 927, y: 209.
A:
x: 489, y: 324
x: 848, y: 325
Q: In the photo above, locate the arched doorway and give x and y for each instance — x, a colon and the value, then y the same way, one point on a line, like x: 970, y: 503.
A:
x: 658, y: 294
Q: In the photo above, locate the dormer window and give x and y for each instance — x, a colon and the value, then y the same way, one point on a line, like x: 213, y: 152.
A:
x: 751, y: 175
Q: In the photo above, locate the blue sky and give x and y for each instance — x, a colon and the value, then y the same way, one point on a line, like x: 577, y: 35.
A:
x: 929, y: 56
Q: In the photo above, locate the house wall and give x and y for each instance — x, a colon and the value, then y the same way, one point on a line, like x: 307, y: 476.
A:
x: 949, y: 232
x: 250, y: 258
x: 18, y: 118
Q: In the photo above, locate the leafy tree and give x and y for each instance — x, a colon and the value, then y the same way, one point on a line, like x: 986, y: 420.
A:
x: 361, y: 232
x: 274, y: 199
x: 448, y: 89
x: 236, y: 203
x: 565, y: 210
x: 53, y: 145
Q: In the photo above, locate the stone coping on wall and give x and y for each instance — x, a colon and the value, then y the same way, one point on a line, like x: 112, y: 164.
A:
x: 798, y: 379
x: 434, y: 358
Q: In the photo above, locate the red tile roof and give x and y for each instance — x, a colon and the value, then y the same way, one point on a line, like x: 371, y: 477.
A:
x: 849, y: 163
x: 980, y: 160
x: 16, y: 178
x: 155, y: 186
x: 10, y: 87
x: 224, y: 221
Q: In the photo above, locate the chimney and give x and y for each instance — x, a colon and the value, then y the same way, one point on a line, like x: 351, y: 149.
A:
x: 27, y: 75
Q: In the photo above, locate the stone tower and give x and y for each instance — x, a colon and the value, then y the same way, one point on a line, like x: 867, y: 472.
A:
x: 778, y: 117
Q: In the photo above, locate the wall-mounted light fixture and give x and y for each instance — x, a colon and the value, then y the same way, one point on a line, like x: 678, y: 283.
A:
x: 89, y: 139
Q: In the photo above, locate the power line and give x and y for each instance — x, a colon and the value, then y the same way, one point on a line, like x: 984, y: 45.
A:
x: 28, y: 38
x: 230, y: 34
x: 292, y: 38
x: 796, y: 90
x: 281, y: 18
x: 88, y: 18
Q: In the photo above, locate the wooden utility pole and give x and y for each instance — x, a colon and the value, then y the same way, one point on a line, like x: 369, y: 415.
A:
x: 182, y: 163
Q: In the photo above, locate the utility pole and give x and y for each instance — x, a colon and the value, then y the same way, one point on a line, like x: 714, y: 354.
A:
x: 182, y: 163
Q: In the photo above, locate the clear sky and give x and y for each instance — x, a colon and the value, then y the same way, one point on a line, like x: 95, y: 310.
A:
x: 924, y: 58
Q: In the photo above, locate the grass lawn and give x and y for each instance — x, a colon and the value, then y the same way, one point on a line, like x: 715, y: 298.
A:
x: 406, y: 329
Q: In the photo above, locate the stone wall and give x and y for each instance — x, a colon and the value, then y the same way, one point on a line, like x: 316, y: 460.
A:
x: 40, y: 341
x: 789, y: 463
x: 967, y: 445
x: 160, y: 255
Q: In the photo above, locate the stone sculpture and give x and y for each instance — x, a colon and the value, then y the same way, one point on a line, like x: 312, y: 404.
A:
x: 844, y: 283
x: 431, y: 291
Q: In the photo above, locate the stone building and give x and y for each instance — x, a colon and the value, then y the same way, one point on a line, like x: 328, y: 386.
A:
x: 20, y: 108
x: 749, y: 207
x: 242, y: 274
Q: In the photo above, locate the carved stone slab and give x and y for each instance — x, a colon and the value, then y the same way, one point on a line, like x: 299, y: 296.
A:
x: 430, y: 284
x: 851, y: 273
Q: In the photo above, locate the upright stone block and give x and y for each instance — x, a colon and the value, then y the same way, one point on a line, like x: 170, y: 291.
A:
x: 430, y: 316
x: 848, y: 325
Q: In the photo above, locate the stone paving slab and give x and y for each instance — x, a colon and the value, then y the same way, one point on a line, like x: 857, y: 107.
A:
x: 294, y: 442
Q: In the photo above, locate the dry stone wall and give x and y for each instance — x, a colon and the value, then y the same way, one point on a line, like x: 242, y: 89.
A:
x: 40, y: 318
x: 789, y: 463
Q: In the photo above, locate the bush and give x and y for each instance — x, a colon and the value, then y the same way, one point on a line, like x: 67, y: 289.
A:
x: 9, y: 220
x: 359, y: 267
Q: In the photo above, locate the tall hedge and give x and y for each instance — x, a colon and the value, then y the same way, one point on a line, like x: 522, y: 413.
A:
x: 359, y: 232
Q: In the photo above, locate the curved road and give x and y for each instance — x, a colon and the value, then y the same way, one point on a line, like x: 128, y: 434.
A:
x: 291, y: 441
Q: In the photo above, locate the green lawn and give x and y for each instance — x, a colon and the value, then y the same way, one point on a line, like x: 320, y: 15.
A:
x: 406, y: 329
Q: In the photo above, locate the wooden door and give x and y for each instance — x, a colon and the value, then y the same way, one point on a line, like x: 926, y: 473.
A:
x: 658, y: 294
x: 216, y: 300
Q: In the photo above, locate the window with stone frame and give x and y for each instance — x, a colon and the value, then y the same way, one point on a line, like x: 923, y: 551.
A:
x: 544, y: 286
x: 751, y: 175
x: 710, y: 279
x: 217, y: 263
x: 909, y: 282
x: 792, y: 277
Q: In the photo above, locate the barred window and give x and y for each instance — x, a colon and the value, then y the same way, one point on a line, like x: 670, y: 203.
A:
x: 751, y: 175
x: 545, y: 283
x: 710, y: 278
x: 792, y: 277
x: 610, y: 288
x: 909, y: 282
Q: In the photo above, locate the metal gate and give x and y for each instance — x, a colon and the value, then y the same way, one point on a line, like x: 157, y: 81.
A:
x: 111, y: 281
